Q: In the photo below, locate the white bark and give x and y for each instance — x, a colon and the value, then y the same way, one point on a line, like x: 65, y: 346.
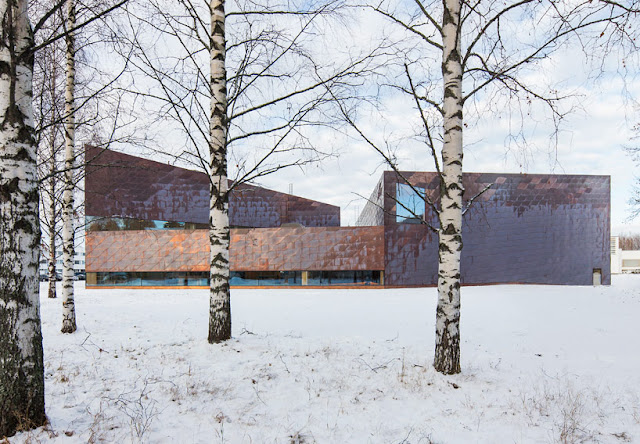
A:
x: 21, y: 356
x: 495, y: 61
x: 52, y: 228
x: 52, y: 191
x: 447, y: 353
x: 219, y: 303
x: 68, y: 238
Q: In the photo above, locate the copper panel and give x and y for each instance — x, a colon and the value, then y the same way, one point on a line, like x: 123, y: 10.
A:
x: 121, y: 185
x: 259, y: 249
x: 251, y: 206
x: 150, y: 250
x: 518, y: 191
x: 527, y: 228
x: 330, y: 248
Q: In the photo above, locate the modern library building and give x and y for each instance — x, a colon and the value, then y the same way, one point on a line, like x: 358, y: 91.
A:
x: 147, y: 226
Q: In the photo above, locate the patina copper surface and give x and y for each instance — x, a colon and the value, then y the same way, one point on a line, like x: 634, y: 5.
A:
x: 326, y: 248
x: 526, y: 228
x: 259, y: 249
x: 120, y: 185
x: 148, y: 250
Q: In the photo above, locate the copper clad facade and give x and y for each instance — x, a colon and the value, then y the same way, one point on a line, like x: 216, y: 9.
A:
x: 147, y: 250
x: 264, y: 249
x: 257, y: 207
x: 526, y: 228
x: 120, y: 185
x: 330, y: 248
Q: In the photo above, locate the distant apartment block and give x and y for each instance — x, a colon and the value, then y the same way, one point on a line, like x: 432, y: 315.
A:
x: 78, y: 263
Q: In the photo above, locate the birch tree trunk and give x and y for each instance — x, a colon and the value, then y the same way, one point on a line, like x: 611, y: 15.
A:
x: 68, y: 238
x: 447, y: 353
x: 21, y: 357
x: 219, y: 302
x: 52, y: 226
x: 52, y: 189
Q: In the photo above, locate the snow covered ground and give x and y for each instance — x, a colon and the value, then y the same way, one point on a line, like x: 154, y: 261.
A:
x: 540, y: 364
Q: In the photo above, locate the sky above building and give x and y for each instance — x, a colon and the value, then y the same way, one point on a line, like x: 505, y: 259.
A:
x: 499, y: 135
x: 593, y: 141
x: 601, y: 111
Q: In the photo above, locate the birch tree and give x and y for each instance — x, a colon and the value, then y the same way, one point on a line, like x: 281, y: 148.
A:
x: 21, y: 354
x: 48, y: 111
x: 52, y: 219
x: 487, y: 52
x: 68, y: 233
x: 219, y: 234
x: 55, y: 85
x: 447, y: 353
x: 22, y: 404
x: 50, y: 196
x: 252, y: 104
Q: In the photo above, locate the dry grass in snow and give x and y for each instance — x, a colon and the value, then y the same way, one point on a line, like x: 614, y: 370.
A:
x: 541, y: 364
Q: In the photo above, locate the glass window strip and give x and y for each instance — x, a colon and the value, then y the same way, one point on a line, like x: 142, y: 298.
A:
x: 236, y: 278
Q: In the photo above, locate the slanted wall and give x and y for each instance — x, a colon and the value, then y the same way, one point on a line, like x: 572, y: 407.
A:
x: 120, y: 185
x: 373, y: 212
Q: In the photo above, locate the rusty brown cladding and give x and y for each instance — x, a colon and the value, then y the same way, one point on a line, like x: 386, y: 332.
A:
x: 264, y: 249
x: 527, y: 228
x: 121, y: 185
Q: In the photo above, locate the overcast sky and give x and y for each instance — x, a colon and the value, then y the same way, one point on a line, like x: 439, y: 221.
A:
x: 592, y: 139
x: 592, y: 142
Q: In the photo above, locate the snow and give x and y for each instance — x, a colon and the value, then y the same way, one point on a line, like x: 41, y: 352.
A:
x: 539, y: 364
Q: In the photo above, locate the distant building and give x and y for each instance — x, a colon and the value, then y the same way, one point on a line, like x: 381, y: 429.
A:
x: 146, y: 226
x: 78, y: 263
x: 623, y: 261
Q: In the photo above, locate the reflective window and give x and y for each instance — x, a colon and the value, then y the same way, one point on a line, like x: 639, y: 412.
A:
x: 149, y: 279
x: 95, y: 223
x: 366, y: 277
x: 237, y: 278
x: 259, y: 278
x: 409, y: 204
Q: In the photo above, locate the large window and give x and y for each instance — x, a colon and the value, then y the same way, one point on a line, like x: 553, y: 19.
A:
x: 366, y: 277
x: 95, y: 223
x: 149, y: 279
x: 265, y: 278
x: 192, y: 278
x: 409, y: 204
x: 236, y: 278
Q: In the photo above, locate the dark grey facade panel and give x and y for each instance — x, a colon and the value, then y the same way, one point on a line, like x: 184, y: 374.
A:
x: 373, y: 212
x: 536, y: 229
